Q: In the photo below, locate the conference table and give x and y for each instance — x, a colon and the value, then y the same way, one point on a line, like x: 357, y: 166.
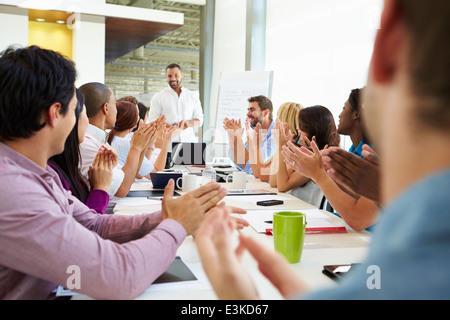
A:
x: 320, y: 248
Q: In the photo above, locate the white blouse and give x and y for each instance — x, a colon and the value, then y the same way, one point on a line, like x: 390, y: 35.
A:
x: 123, y: 145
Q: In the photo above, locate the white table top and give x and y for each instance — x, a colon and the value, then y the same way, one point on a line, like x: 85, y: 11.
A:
x: 319, y: 250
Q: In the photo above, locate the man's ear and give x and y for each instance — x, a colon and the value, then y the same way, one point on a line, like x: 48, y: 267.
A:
x: 53, y: 114
x: 105, y: 109
x: 266, y: 113
x: 389, y: 43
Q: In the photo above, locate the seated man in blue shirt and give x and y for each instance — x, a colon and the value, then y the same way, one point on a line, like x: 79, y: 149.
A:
x: 254, y: 157
x: 408, y: 88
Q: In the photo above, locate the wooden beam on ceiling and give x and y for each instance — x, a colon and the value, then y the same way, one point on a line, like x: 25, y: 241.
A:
x: 126, y: 35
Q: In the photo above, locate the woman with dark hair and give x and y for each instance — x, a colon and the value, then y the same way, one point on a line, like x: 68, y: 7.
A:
x: 127, y: 120
x: 100, y: 174
x: 318, y: 122
x: 314, y: 123
x: 351, y: 124
x: 359, y: 213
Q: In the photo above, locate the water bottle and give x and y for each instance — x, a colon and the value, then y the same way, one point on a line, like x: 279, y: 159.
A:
x: 208, y: 175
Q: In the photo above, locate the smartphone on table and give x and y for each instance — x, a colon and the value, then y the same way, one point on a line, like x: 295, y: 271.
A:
x: 337, y: 272
x: 268, y: 203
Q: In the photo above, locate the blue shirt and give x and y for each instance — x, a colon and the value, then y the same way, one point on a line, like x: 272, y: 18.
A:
x: 410, y: 246
x: 359, y: 149
x: 268, y: 147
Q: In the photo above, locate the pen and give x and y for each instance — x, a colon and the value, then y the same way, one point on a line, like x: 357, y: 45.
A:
x: 236, y: 191
x: 268, y: 221
x: 297, y: 141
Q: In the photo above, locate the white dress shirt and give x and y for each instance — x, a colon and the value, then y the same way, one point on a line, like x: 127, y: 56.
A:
x: 176, y: 108
x: 93, y: 140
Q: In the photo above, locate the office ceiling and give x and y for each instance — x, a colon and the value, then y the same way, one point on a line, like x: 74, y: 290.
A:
x: 141, y: 73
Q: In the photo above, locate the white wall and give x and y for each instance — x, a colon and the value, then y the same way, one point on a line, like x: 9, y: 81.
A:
x: 89, y: 49
x: 13, y: 26
x: 229, y: 44
x: 320, y: 49
x: 229, y: 56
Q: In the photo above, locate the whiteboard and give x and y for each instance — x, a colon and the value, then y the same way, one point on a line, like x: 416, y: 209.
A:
x: 235, y: 88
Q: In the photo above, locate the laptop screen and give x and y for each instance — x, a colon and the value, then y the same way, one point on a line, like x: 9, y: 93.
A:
x: 188, y: 153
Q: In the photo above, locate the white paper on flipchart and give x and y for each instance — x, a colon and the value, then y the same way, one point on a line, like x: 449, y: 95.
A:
x: 234, y: 90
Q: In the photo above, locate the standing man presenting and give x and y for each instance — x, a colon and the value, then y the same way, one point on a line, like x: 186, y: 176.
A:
x: 180, y: 105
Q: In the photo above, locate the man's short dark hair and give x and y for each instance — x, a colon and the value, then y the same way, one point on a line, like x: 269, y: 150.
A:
x: 264, y: 103
x: 31, y: 80
x: 428, y: 25
x: 173, y: 66
x: 95, y: 95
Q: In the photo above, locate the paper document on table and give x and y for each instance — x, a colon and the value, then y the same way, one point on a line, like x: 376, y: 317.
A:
x: 262, y: 220
x: 255, y: 199
x: 137, y: 202
x: 142, y: 184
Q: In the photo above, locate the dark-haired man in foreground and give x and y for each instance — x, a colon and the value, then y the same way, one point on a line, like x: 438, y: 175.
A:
x: 46, y: 234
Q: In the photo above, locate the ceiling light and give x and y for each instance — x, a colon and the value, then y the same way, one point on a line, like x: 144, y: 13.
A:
x: 40, y: 20
x: 60, y: 21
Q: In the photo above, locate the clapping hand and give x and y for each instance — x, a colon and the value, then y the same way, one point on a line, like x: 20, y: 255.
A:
x: 190, y: 209
x: 348, y: 170
x: 183, y: 125
x: 222, y: 262
x: 282, y: 134
x: 147, y: 133
x: 253, y: 133
x: 307, y: 163
x: 101, y: 171
x: 233, y: 127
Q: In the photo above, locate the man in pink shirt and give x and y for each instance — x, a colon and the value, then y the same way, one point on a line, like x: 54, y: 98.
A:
x: 46, y: 234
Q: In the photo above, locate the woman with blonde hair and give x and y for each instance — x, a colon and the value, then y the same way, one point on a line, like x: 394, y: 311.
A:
x: 314, y: 123
x: 288, y: 115
x: 289, y: 112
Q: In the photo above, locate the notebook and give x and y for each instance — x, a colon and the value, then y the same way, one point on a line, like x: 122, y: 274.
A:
x: 177, y: 272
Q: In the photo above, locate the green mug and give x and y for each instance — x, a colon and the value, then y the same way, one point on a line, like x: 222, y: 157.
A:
x: 289, y: 234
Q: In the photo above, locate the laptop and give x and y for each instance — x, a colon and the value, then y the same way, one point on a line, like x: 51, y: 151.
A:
x: 188, y: 153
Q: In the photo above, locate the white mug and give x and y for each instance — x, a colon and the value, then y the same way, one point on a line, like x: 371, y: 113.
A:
x: 239, y: 179
x: 190, y: 182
